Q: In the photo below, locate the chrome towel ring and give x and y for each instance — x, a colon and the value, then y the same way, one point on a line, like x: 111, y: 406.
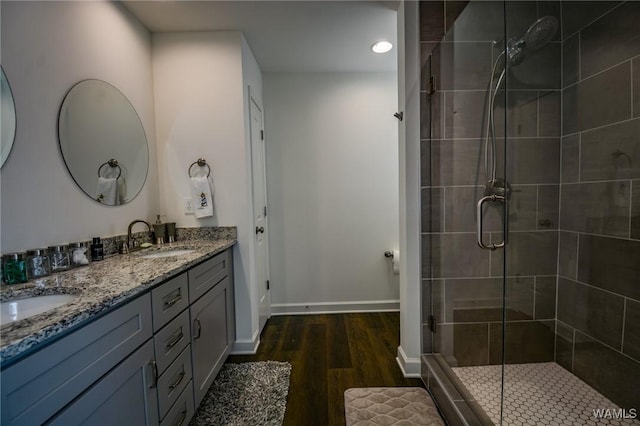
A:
x: 113, y: 163
x: 201, y: 162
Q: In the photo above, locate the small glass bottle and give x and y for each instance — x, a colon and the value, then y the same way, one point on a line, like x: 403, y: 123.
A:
x: 59, y: 258
x: 78, y: 254
x: 38, y: 263
x: 97, y: 249
x: 14, y: 268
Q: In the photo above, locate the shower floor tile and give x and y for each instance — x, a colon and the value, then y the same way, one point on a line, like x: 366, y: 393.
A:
x: 537, y: 394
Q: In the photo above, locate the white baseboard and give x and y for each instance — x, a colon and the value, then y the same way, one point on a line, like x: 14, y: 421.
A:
x: 410, y: 366
x: 246, y: 346
x: 335, y: 307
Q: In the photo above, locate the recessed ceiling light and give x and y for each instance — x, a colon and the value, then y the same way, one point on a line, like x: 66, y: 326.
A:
x: 381, y: 47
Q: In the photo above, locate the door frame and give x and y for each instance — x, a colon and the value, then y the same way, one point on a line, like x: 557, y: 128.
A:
x: 254, y: 99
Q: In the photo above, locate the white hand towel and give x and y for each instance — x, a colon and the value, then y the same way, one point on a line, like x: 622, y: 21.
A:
x: 107, y: 191
x: 201, y: 195
x: 122, y: 190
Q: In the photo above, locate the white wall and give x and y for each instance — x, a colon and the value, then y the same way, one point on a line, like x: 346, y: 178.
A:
x: 47, y: 47
x: 199, y: 86
x: 332, y: 184
x: 409, y: 135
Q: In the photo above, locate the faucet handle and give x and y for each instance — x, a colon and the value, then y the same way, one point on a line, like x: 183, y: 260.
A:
x: 134, y: 242
x: 124, y: 248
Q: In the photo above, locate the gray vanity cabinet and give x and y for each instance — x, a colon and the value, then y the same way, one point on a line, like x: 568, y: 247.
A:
x: 212, y: 321
x: 141, y: 364
x: 37, y: 387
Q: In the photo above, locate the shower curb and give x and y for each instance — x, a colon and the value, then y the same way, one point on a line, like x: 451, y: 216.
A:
x: 454, y: 401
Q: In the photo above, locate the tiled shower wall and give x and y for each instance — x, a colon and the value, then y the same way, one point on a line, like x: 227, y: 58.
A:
x: 574, y: 164
x: 598, y: 334
x: 464, y: 280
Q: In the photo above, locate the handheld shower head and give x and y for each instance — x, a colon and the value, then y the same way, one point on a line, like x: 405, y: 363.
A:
x: 535, y: 38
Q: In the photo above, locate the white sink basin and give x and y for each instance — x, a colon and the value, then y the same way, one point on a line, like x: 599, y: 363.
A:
x: 166, y: 254
x: 15, y: 310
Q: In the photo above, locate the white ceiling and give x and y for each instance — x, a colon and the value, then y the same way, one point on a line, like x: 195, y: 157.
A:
x: 288, y: 36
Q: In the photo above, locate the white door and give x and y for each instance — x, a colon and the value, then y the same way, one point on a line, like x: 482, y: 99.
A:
x: 260, y: 211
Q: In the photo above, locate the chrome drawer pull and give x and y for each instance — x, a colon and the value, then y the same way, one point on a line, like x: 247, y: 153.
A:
x: 154, y: 375
x: 198, y: 326
x: 183, y: 418
x: 175, y: 341
x: 177, y: 382
x: 173, y: 301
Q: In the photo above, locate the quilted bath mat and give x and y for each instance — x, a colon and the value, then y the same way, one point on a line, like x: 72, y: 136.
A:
x: 401, y: 406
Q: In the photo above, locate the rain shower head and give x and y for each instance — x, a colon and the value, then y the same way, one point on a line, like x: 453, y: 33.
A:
x: 537, y: 36
x: 540, y: 32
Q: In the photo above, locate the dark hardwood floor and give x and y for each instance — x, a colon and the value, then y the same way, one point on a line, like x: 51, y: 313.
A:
x: 330, y: 354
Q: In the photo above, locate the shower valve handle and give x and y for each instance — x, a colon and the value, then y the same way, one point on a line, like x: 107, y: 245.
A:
x: 483, y: 200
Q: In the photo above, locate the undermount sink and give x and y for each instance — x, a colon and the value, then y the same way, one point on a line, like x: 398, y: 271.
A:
x: 167, y: 254
x: 18, y: 309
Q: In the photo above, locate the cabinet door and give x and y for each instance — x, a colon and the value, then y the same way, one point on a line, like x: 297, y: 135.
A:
x: 211, y: 336
x: 125, y: 396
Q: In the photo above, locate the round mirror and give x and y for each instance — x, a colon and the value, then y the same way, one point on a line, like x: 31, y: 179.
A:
x: 103, y: 142
x: 8, y: 117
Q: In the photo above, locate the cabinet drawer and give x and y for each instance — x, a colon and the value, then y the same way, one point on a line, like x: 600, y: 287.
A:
x: 168, y: 300
x: 171, y: 340
x: 206, y: 275
x: 173, y: 381
x: 182, y: 411
x: 40, y: 385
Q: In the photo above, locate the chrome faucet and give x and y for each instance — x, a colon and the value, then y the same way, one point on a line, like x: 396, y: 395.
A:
x: 132, y: 243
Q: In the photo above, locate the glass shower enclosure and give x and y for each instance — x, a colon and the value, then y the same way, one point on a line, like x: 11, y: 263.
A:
x: 530, y: 158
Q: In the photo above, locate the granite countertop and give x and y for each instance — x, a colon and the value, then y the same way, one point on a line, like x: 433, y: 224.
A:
x: 100, y: 287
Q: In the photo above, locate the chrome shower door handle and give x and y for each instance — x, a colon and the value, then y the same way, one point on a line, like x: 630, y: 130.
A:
x: 483, y: 200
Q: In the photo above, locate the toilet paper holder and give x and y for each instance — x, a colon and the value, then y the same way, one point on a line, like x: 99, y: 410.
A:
x: 394, y: 255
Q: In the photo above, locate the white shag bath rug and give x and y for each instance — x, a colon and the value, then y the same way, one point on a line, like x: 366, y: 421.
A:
x: 250, y: 393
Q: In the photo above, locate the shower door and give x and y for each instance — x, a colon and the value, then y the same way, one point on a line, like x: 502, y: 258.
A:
x: 464, y: 197
x: 492, y: 191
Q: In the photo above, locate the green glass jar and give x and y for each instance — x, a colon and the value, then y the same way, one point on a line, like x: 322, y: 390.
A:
x: 14, y: 268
